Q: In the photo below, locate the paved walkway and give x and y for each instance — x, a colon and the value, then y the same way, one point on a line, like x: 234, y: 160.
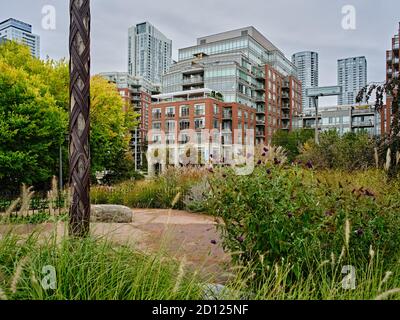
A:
x: 180, y: 234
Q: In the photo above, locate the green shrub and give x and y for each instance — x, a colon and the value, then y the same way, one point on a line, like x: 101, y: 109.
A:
x: 288, y: 213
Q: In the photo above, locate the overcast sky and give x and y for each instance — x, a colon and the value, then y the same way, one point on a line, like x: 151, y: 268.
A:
x: 292, y: 25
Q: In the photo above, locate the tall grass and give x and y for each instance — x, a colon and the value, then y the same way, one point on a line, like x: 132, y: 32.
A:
x: 90, y: 269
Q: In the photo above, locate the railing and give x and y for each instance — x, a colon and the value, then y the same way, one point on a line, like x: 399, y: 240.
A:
x: 156, y: 116
x: 37, y: 205
x: 193, y: 80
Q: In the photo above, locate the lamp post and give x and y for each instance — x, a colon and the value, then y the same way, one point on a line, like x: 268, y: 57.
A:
x: 79, y: 120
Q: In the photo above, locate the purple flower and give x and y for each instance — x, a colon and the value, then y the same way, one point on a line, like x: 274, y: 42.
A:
x: 329, y: 213
x: 240, y: 239
x: 369, y: 193
x: 266, y: 149
x: 211, y: 170
x: 268, y: 171
x: 259, y: 162
x: 290, y: 215
x: 276, y: 161
x: 264, y: 154
x: 224, y: 175
x: 309, y: 164
x: 360, y: 232
x: 213, y: 242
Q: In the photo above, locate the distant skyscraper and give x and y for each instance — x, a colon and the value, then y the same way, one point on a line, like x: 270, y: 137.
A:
x: 352, y: 77
x: 19, y: 31
x: 149, y: 52
x: 307, y: 71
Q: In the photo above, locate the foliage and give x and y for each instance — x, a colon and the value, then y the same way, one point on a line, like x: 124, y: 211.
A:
x: 32, y: 122
x: 110, y: 132
x: 159, y: 192
x: 292, y: 141
x: 351, y: 151
x: 294, y: 215
x: 384, y: 92
x: 90, y: 269
x: 34, y: 100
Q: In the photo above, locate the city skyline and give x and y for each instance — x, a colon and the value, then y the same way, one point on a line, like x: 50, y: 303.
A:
x: 321, y: 32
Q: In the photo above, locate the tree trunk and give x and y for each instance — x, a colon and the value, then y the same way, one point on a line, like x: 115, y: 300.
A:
x: 79, y: 121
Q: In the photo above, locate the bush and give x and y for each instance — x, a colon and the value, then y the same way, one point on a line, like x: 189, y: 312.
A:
x: 351, y: 151
x: 299, y: 216
x: 170, y: 188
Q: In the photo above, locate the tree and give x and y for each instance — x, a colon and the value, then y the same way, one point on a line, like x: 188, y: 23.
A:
x: 32, y: 122
x: 110, y: 131
x: 389, y: 141
x: 292, y: 141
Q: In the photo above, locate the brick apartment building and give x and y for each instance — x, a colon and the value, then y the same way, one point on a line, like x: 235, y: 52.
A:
x: 136, y: 92
x: 392, y: 72
x: 196, y: 117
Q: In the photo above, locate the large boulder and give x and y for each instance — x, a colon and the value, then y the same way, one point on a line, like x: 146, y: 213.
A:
x: 111, y: 214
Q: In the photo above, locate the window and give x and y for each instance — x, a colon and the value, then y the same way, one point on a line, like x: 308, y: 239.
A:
x: 215, y: 124
x: 199, y: 109
x: 156, y: 114
x: 216, y: 109
x: 170, y: 125
x: 170, y: 138
x: 184, y: 124
x: 170, y: 112
x: 184, y: 111
x: 156, y: 125
x: 199, y: 123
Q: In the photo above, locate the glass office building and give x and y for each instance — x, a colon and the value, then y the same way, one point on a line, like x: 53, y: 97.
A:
x: 149, y: 52
x: 15, y: 30
x: 352, y: 77
x: 306, y: 63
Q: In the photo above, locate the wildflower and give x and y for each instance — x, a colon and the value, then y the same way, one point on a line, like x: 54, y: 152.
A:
x: 268, y: 171
x: 213, y: 242
x: 240, y: 239
x: 329, y: 213
x: 290, y: 215
x: 264, y: 154
x: 211, y: 170
x: 369, y: 193
x: 309, y: 164
x: 224, y: 175
x: 360, y: 232
x: 265, y: 149
x: 277, y: 161
x: 259, y: 162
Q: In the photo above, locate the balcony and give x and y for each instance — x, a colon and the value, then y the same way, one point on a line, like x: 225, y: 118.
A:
x: 285, y: 95
x: 193, y: 80
x: 260, y: 98
x: 285, y: 85
x: 156, y: 116
x: 363, y: 124
x: 285, y: 106
x: 286, y: 116
x: 396, y: 61
x: 227, y: 115
x: 260, y: 134
x: 170, y: 115
x: 261, y: 109
x: 260, y: 122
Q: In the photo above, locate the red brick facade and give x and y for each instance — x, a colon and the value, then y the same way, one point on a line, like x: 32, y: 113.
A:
x: 392, y: 71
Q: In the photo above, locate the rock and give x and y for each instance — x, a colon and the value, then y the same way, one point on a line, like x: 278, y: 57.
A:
x: 111, y: 214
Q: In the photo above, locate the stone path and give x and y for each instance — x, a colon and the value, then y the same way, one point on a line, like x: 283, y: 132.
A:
x: 180, y: 234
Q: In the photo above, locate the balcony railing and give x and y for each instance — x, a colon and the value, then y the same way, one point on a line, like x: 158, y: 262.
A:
x: 170, y: 115
x: 227, y: 115
x: 286, y: 106
x: 285, y: 95
x: 156, y: 116
x: 193, y: 80
x: 396, y: 60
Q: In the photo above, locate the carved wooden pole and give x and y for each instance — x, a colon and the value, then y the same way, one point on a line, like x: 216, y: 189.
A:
x: 79, y: 121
